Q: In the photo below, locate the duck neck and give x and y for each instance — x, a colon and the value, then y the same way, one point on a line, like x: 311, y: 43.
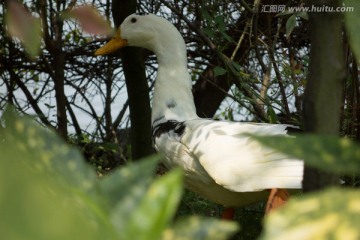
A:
x: 173, y: 99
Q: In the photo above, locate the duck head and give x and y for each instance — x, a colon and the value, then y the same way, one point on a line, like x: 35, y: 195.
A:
x: 147, y: 31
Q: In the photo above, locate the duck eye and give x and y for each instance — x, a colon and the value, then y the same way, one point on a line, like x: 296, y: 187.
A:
x: 133, y: 20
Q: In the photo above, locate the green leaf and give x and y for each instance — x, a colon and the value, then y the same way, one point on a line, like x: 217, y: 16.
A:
x: 136, y: 179
x: 219, y: 71
x: 157, y: 208
x: 329, y: 153
x: 331, y: 214
x: 201, y: 228
x: 290, y: 24
x: 219, y: 20
x: 352, y: 24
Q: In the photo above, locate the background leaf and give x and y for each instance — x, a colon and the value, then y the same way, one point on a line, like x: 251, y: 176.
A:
x: 21, y: 24
x: 219, y: 71
x: 91, y: 21
x: 290, y: 25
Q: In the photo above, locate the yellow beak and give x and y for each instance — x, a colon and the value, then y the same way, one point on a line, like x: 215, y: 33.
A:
x: 114, y: 44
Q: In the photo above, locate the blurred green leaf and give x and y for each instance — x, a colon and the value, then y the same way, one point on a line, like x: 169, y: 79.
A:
x: 126, y: 188
x: 352, y: 24
x: 330, y: 214
x: 329, y: 153
x: 90, y: 20
x: 46, y: 190
x: 198, y: 228
x: 219, y: 20
x: 21, y: 24
x: 42, y: 189
x: 46, y: 151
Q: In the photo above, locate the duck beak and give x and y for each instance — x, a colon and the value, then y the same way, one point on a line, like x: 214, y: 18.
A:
x: 114, y: 44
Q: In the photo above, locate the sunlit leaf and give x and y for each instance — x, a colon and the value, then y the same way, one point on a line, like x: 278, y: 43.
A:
x: 156, y: 209
x: 138, y: 176
x: 329, y: 153
x: 198, y: 228
x: 47, y: 191
x: 331, y: 214
x: 22, y: 25
x: 53, y: 156
x: 90, y: 20
x: 43, y: 186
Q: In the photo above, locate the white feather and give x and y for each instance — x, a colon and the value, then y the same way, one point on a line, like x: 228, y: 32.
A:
x: 219, y: 159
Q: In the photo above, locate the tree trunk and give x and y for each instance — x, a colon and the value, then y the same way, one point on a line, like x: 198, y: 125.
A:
x: 323, y: 93
x: 58, y: 64
x: 209, y: 91
x: 137, y: 87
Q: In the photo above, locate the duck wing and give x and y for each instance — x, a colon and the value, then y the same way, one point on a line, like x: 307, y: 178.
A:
x: 238, y: 162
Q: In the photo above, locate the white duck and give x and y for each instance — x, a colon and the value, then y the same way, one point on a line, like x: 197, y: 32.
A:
x: 219, y: 159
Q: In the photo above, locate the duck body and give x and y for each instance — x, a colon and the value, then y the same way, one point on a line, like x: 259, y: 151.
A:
x: 223, y: 163
x: 220, y: 160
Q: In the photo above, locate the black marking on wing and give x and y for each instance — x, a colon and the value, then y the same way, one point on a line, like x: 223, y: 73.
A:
x: 157, y: 119
x: 293, y: 130
x: 166, y: 127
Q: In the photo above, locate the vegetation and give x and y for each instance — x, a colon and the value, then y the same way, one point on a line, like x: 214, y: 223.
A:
x: 247, y: 63
x: 54, y: 194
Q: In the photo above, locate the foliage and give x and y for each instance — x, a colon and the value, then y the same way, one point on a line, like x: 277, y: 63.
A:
x: 90, y: 20
x: 330, y: 214
x: 260, y: 62
x: 24, y: 26
x: 47, y: 189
